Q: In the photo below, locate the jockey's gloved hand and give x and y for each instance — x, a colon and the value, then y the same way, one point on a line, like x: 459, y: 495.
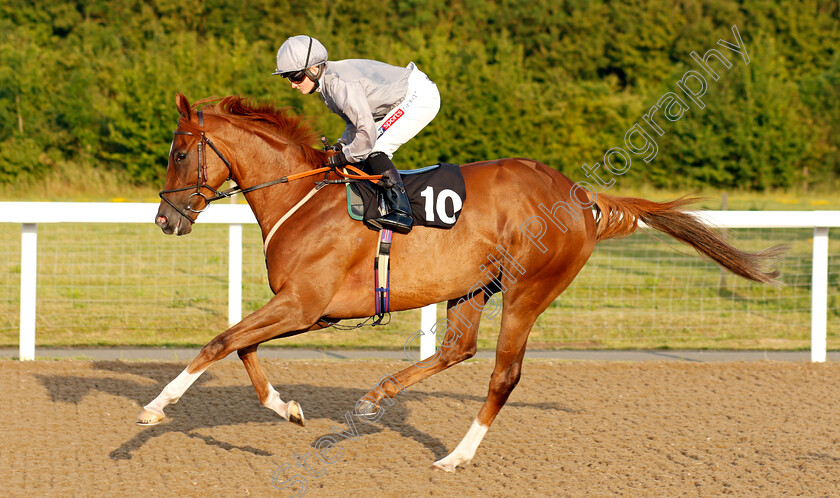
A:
x: 338, y: 159
x: 336, y: 146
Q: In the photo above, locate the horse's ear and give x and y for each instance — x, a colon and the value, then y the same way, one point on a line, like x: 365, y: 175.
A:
x: 182, y: 104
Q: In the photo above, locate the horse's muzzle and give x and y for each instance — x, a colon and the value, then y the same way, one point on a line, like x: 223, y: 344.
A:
x: 171, y: 222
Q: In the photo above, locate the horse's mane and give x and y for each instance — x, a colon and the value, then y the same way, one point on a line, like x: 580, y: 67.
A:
x: 295, y: 129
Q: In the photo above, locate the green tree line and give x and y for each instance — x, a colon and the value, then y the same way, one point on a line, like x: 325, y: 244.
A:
x: 93, y: 82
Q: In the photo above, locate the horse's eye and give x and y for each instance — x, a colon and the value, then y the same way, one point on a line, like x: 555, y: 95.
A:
x: 180, y: 156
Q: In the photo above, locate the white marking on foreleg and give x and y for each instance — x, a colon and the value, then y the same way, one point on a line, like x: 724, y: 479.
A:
x: 274, y: 402
x: 290, y: 411
x: 465, y: 450
x: 173, y: 391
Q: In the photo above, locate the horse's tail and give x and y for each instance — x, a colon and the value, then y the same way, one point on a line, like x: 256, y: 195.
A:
x: 620, y: 216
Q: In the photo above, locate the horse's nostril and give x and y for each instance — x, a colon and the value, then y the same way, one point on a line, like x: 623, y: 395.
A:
x: 161, y: 220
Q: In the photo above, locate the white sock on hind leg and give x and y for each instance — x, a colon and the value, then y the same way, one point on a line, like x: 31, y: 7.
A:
x: 465, y: 450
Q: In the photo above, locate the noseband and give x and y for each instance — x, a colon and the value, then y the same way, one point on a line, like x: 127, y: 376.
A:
x: 201, y: 176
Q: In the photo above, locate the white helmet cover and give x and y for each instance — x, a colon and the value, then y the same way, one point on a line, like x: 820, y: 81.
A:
x: 299, y: 53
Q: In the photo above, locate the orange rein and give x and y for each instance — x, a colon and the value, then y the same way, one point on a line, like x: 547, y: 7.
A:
x: 356, y: 174
x: 359, y: 174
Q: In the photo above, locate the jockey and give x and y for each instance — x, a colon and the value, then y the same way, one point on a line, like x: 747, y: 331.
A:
x: 384, y: 106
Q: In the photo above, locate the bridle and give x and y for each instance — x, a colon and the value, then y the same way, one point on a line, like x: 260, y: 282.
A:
x: 353, y: 174
x: 201, y: 176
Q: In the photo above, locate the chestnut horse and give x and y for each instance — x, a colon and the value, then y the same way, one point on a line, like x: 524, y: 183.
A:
x: 524, y: 227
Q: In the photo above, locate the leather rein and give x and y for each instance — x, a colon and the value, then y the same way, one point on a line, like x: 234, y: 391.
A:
x: 201, y: 178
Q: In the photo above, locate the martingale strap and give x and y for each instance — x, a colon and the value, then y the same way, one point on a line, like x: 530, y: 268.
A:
x: 289, y: 213
x: 381, y: 275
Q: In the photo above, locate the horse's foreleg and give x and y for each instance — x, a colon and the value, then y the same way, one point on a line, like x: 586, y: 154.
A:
x: 269, y: 397
x: 260, y: 326
x: 152, y: 413
x: 459, y: 344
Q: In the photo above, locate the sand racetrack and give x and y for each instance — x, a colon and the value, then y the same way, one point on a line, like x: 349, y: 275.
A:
x: 570, y: 428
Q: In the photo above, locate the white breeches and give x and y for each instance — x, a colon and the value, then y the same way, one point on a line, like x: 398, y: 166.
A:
x: 420, y: 105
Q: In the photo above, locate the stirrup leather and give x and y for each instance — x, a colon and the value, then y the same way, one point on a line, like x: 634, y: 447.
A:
x: 396, y: 210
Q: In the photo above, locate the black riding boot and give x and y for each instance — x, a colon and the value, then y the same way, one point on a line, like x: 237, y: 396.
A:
x: 398, y: 216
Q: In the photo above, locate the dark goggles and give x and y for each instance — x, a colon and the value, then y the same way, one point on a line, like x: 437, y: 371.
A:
x: 294, y: 76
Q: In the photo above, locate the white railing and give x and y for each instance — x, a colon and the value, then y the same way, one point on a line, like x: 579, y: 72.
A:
x: 30, y: 214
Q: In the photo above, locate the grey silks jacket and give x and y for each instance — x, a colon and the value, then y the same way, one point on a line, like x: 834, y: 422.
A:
x: 362, y: 92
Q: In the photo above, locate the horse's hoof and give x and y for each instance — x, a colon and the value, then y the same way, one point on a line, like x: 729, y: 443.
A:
x: 149, y: 417
x: 296, y: 414
x: 366, y: 408
x: 443, y: 466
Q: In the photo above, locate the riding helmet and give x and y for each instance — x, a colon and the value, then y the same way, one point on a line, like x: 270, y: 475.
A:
x: 299, y: 53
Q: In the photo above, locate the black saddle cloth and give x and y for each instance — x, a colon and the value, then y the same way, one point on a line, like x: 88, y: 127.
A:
x: 437, y: 194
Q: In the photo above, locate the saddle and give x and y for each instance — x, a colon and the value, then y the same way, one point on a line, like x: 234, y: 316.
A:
x: 437, y: 194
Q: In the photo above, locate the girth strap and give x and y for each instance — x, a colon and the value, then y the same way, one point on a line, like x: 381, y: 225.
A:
x: 381, y: 274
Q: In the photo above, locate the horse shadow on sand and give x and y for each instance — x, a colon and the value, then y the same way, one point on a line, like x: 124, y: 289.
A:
x: 204, y: 407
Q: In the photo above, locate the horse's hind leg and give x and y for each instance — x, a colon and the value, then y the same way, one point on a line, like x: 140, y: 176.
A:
x: 269, y: 397
x: 459, y: 344
x: 517, y: 320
